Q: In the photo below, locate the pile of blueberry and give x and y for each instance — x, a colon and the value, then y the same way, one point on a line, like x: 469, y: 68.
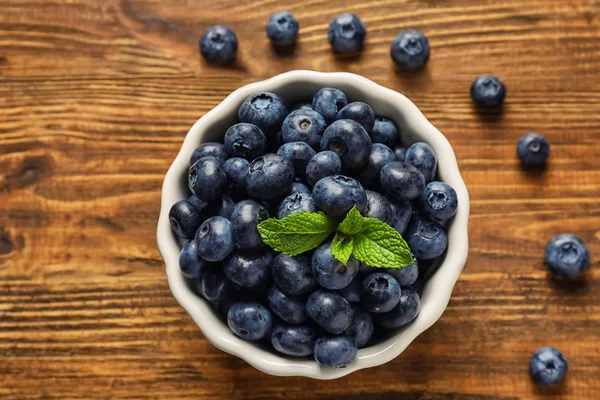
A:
x: 328, y: 155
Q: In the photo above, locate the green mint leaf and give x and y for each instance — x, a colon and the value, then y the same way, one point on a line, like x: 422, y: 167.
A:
x: 341, y: 247
x: 352, y: 224
x: 296, y: 233
x: 379, y: 245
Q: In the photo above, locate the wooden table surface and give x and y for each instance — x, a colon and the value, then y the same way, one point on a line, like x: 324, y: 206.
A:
x: 95, y: 99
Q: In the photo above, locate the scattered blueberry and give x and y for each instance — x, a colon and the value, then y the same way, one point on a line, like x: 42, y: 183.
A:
x: 329, y: 272
x: 298, y: 187
x: 380, y: 292
x: 380, y: 156
x: 214, y: 286
x: 291, y: 309
x: 330, y: 310
x: 400, y: 153
x: 401, y: 213
x: 248, y: 269
x: 282, y: 28
x: 361, y: 329
x: 336, y: 195
x: 190, y: 263
x: 210, y: 149
x: 488, y: 91
x: 548, y: 366
x: 222, y: 208
x: 385, y: 131
x: 185, y: 219
x: 245, y: 140
x: 293, y: 275
x: 426, y: 238
x: 402, y: 180
x: 359, y: 112
x: 207, y: 179
x: 214, y: 239
x: 378, y: 207
x: 328, y: 102
x: 407, y: 309
x: 336, y: 351
x: 410, y: 49
x: 270, y: 176
x: 293, y: 340
x: 265, y: 110
x: 567, y: 255
x: 323, y: 164
x: 352, y: 291
x: 247, y: 214
x: 406, y: 276
x: 296, y: 203
x: 250, y: 321
x: 299, y: 154
x: 346, y: 33
x: 533, y: 150
x: 304, y: 125
x: 421, y: 156
x: 236, y: 169
x: 349, y: 141
x: 218, y: 45
x: 439, y: 201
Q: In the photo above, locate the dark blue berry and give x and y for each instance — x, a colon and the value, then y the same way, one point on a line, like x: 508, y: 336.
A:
x: 401, y: 213
x: 400, y: 153
x: 221, y: 208
x: 293, y: 275
x: 352, y: 291
x: 439, y: 201
x: 299, y: 154
x: 214, y: 239
x: 304, y: 125
x: 533, y: 150
x: 245, y: 140
x: 282, y: 28
x: 218, y: 45
x: 346, y: 33
x: 378, y: 207
x: 349, y: 141
x: 488, y: 91
x: 247, y: 214
x: 214, y: 286
x: 410, y: 49
x: 270, y: 176
x: 362, y: 327
x: 380, y: 156
x: 236, y: 169
x: 293, y: 340
x: 330, y: 310
x: 336, y: 195
x: 250, y: 321
x: 401, y: 180
x: 385, y: 131
x: 190, y: 263
x: 328, y: 102
x: 323, y: 164
x: 548, y: 366
x: 185, y: 219
x: 335, y: 351
x: 426, y: 238
x: 296, y: 203
x: 567, y: 255
x: 291, y: 309
x: 298, y: 187
x: 329, y: 272
x: 248, y: 269
x: 380, y: 292
x: 421, y: 156
x: 359, y: 112
x: 196, y: 202
x: 265, y: 110
x: 207, y: 179
x: 407, y: 309
x: 406, y: 276
x: 303, y: 105
x: 210, y: 149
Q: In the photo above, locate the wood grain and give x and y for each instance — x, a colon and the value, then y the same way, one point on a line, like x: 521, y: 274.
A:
x: 95, y: 99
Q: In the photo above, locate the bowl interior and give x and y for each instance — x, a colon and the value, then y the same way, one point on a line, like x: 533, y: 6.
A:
x: 299, y: 86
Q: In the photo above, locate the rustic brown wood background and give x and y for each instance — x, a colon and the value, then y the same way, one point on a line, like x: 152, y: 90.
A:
x: 95, y: 99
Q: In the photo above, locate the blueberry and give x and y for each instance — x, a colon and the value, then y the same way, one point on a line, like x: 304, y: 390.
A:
x: 488, y: 91
x: 330, y: 310
x: 196, y: 202
x: 247, y: 214
x: 185, y: 219
x: 293, y: 340
x: 291, y: 309
x: 426, y: 238
x: 265, y: 110
x: 346, y: 33
x: 378, y: 207
x: 329, y: 272
x: 207, y: 179
x: 270, y: 176
x: 380, y: 156
x: 336, y: 195
x: 406, y: 276
x: 380, y: 292
x: 250, y: 321
x: 533, y: 150
x: 298, y: 187
x: 323, y: 164
x: 210, y: 149
x: 421, y: 156
x: 218, y: 45
x: 245, y: 140
x: 410, y: 49
x: 407, y: 309
x: 190, y: 263
x: 336, y: 351
x: 303, y: 105
x: 303, y: 126
x: 296, y: 203
x: 214, y: 239
x: 548, y: 366
x: 214, y: 286
x: 361, y: 329
x: 439, y: 201
x: 401, y: 213
x: 400, y: 153
x: 282, y: 28
x: 236, y: 169
x: 299, y: 154
x: 385, y: 132
x: 359, y: 112
x: 221, y: 208
x: 352, y: 291
x: 328, y: 102
x: 349, y: 141
x: 567, y: 255
x: 402, y: 180
x: 293, y: 275
x: 248, y: 269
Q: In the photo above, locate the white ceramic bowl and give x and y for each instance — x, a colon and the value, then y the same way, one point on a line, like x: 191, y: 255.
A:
x: 296, y: 86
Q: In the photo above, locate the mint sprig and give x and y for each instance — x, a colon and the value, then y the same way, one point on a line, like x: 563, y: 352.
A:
x: 367, y: 239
